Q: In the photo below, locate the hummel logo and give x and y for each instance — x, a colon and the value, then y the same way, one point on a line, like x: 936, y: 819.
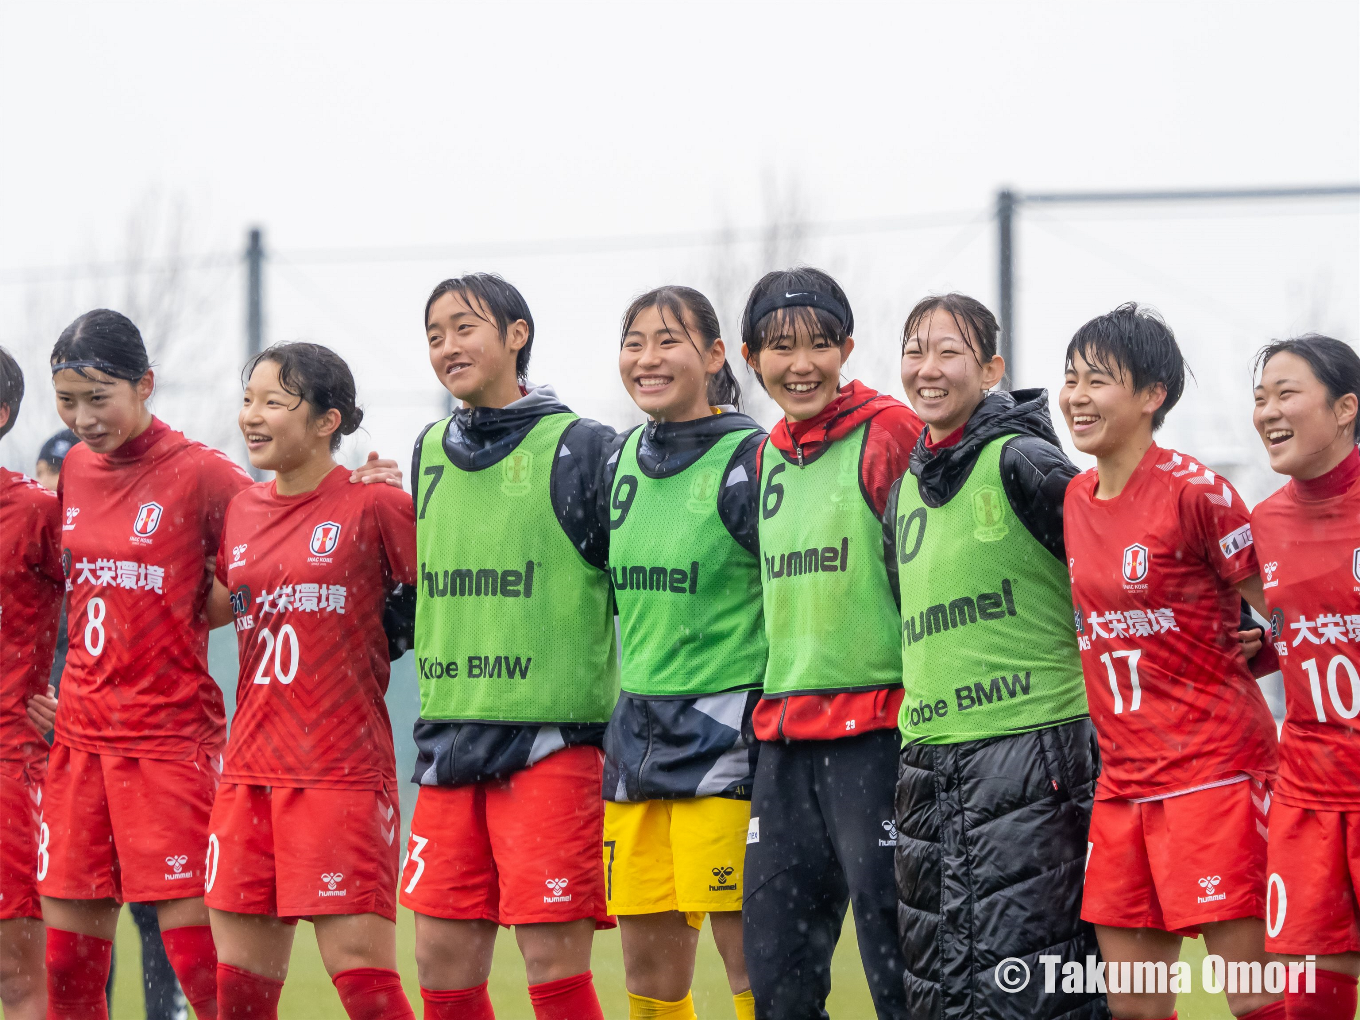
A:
x: 331, y: 878
x: 555, y: 886
x: 1209, y: 884
x: 722, y: 874
x: 177, y: 862
x: 891, y: 830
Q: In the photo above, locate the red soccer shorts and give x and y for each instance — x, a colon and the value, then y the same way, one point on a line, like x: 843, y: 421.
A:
x: 1178, y: 863
x: 20, y: 803
x: 523, y: 850
x: 1314, y: 881
x: 130, y: 829
x: 299, y: 853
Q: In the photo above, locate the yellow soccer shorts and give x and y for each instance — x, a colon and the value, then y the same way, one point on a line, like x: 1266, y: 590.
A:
x: 684, y: 855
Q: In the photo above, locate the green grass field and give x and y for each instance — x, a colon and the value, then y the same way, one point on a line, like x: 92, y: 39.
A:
x: 309, y: 995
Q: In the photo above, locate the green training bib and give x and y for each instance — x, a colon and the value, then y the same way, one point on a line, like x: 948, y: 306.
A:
x: 688, y: 594
x: 512, y: 624
x: 988, y: 643
x: 829, y: 613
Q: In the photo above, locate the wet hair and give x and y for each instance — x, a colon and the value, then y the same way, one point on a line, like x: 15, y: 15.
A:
x: 677, y: 301
x: 104, y: 340
x: 1334, y: 363
x: 11, y: 389
x: 317, y: 375
x: 502, y: 299
x: 789, y: 298
x: 1134, y: 342
x: 975, y: 321
x: 53, y: 452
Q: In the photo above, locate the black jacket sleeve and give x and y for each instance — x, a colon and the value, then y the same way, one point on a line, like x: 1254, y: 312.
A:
x: 739, y: 498
x: 890, y: 540
x: 578, y: 479
x: 1035, y: 474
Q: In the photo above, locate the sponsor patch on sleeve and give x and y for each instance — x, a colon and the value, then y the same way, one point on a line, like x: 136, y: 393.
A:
x: 1235, y: 541
x: 753, y: 831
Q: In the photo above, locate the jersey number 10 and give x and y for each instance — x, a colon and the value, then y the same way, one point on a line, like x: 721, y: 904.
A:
x: 1315, y: 686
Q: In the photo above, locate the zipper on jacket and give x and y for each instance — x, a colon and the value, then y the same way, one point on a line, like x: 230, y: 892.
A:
x: 798, y: 449
x: 783, y: 707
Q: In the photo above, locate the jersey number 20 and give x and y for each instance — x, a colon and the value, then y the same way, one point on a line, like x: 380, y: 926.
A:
x: 287, y: 636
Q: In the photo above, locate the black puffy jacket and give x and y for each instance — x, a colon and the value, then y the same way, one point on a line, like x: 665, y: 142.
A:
x: 991, y: 844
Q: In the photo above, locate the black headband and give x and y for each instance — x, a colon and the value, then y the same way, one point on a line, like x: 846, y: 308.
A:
x: 107, y: 367
x: 800, y: 299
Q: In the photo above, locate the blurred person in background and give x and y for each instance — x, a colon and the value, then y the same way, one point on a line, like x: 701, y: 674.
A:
x: 51, y: 455
x: 680, y: 755
x: 1308, y: 540
x: 31, y: 586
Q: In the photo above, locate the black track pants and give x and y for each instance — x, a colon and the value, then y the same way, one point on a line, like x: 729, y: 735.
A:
x: 822, y: 838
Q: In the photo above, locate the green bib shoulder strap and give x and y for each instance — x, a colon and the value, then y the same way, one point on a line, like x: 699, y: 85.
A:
x: 512, y: 624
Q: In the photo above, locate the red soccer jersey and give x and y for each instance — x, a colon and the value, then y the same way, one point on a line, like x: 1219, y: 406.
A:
x: 1153, y: 569
x: 30, y: 605
x: 140, y: 530
x: 1311, y: 555
x: 309, y: 576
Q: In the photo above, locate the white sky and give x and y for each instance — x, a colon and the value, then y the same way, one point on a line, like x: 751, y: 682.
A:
x: 465, y: 126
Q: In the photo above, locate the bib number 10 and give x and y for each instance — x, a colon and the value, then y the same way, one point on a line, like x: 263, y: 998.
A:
x: 283, y: 649
x: 1339, y: 664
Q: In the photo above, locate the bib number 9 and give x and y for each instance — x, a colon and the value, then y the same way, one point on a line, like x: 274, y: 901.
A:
x: 95, y: 611
x: 274, y: 647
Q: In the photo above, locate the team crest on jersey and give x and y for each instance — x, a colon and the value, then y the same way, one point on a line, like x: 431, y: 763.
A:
x: 1355, y: 565
x: 989, y: 514
x: 1135, y: 567
x: 148, y: 519
x: 324, y: 538
x: 701, y: 492
x: 516, y: 471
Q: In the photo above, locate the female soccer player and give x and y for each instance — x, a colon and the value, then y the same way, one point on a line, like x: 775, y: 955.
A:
x: 31, y: 586
x: 139, y: 728
x: 821, y: 833
x: 1160, y: 553
x: 518, y: 668
x: 305, y: 821
x: 1308, y: 541
x: 999, y: 761
x: 679, y: 752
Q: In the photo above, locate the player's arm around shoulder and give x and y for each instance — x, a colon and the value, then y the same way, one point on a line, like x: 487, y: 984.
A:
x: 581, y: 474
x: 1035, y: 475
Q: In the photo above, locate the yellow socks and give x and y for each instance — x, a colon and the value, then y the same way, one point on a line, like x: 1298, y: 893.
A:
x: 642, y: 1008
x: 746, y: 1005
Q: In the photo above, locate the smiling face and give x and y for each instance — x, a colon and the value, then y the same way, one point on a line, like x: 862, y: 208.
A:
x: 279, y: 428
x: 103, y: 411
x: 943, y: 375
x: 663, y: 367
x: 468, y: 354
x: 1306, y: 434
x: 1102, y: 409
x: 799, y: 365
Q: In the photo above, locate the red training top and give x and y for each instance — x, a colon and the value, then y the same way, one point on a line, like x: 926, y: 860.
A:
x: 1174, y: 704
x: 140, y: 533
x: 308, y: 576
x: 31, y: 587
x: 1308, y: 539
x: 893, y: 431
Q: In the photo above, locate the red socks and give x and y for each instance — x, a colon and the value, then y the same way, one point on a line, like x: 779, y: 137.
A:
x: 77, y: 970
x: 458, y: 1003
x: 371, y: 993
x: 243, y: 994
x: 571, y: 998
x: 1334, y: 999
x: 194, y: 958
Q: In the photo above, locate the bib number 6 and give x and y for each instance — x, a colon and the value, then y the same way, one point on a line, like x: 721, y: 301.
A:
x: 275, y: 648
x: 95, y: 610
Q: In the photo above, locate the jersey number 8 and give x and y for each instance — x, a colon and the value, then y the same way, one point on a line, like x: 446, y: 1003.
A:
x: 95, y: 611
x: 286, y: 636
